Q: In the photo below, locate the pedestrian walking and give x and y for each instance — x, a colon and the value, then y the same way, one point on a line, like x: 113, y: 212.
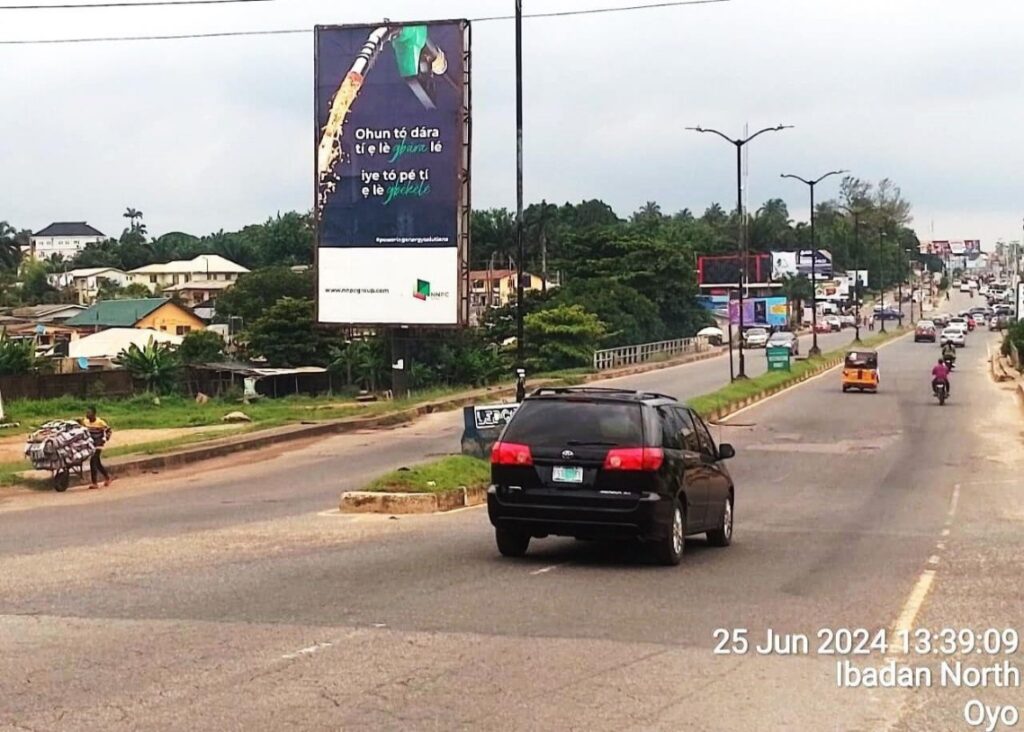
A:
x: 100, y: 432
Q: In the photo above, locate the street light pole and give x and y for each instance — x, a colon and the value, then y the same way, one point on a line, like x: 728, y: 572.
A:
x: 741, y: 241
x: 815, y: 351
x: 856, y: 273
x: 881, y: 279
x: 520, y: 243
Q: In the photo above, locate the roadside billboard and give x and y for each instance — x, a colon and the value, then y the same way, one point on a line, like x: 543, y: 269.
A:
x: 852, y: 275
x: 392, y: 178
x: 770, y: 311
x: 792, y: 264
x: 726, y: 269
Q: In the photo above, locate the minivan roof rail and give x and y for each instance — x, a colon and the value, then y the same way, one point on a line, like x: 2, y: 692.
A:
x: 606, y: 390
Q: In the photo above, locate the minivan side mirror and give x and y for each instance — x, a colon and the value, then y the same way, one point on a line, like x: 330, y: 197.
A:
x: 726, y: 451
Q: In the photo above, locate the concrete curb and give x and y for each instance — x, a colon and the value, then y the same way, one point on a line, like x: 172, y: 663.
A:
x: 411, y: 503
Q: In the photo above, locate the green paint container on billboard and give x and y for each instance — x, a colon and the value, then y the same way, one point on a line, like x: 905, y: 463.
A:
x: 778, y: 358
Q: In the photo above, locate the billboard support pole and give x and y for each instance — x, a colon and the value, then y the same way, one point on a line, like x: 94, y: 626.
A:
x: 520, y: 244
x: 732, y: 369
x: 856, y: 272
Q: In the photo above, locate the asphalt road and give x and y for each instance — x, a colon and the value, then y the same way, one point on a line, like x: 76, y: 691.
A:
x: 303, y: 478
x: 234, y: 600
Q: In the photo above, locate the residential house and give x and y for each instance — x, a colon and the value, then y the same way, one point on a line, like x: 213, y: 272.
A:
x: 47, y: 314
x: 492, y: 288
x: 197, y: 291
x: 63, y: 239
x: 102, y: 349
x: 157, y: 313
x: 86, y: 282
x: 205, y: 268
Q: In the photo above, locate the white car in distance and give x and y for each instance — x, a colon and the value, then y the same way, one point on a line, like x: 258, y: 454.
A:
x: 954, y: 335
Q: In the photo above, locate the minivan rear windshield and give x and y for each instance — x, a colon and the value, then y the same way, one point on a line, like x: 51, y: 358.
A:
x: 564, y: 421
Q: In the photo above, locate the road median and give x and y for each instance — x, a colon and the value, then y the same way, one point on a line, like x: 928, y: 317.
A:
x: 156, y: 459
x: 456, y: 481
x: 741, y: 394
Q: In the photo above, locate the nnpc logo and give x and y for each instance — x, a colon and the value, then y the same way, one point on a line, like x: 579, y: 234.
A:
x: 423, y: 292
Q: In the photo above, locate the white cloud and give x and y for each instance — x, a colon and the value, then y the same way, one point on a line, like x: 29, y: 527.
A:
x: 206, y: 134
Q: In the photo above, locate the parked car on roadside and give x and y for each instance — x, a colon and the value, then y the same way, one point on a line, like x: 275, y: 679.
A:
x: 848, y: 321
x: 597, y: 463
x: 784, y: 339
x: 925, y: 332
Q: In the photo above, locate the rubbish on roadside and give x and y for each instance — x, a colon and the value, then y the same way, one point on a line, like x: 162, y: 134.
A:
x: 201, y: 398
x: 237, y: 417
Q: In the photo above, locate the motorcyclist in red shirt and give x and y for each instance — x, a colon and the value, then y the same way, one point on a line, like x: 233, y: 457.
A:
x: 940, y: 375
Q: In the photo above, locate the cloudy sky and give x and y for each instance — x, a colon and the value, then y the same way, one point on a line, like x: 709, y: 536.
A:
x: 216, y: 133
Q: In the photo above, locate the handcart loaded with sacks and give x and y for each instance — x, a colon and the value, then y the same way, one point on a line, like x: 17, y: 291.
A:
x: 62, y: 447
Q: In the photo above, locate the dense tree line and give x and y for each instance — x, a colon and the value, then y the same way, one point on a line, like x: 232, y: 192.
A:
x: 621, y: 280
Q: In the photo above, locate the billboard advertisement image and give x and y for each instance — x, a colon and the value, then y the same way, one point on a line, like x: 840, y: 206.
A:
x: 391, y: 159
x: 792, y: 264
x: 770, y: 311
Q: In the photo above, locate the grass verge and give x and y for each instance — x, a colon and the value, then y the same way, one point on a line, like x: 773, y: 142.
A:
x: 442, y: 475
x: 740, y: 390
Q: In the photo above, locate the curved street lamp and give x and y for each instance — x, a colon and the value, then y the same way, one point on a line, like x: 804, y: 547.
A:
x: 739, y: 142
x: 815, y: 351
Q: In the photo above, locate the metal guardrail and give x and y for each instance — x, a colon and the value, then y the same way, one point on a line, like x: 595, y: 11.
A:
x: 610, y: 358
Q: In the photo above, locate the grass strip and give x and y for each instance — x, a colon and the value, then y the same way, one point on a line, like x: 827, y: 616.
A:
x: 737, y: 391
x: 438, y: 476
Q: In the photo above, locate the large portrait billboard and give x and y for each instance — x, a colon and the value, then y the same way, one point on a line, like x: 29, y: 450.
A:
x: 392, y: 118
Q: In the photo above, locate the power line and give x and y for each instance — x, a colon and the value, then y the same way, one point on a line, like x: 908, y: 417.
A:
x: 293, y: 31
x: 143, y: 4
x: 597, y: 11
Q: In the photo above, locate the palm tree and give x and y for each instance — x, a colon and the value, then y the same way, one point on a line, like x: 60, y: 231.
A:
x: 132, y: 214
x: 10, y: 248
x: 650, y: 211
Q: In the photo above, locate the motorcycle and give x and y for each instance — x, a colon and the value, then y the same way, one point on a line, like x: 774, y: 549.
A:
x: 941, y: 392
x: 950, y: 362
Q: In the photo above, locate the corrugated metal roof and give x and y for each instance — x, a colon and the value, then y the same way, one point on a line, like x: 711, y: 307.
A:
x: 69, y: 228
x: 117, y: 313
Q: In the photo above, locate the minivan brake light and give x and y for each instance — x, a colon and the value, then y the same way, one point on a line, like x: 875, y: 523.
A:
x: 634, y: 458
x: 510, y: 453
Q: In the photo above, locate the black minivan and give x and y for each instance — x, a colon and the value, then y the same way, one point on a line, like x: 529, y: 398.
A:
x: 598, y: 463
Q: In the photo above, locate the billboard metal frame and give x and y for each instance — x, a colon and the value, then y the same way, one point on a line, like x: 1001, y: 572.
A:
x: 464, y: 232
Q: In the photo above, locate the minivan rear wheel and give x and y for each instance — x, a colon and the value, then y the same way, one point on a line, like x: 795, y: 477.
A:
x: 511, y: 543
x: 669, y: 551
x: 722, y: 536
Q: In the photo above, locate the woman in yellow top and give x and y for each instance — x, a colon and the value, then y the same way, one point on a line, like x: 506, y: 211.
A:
x: 99, y: 431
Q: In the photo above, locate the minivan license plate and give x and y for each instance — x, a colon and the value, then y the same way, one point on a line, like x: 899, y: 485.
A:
x: 562, y: 474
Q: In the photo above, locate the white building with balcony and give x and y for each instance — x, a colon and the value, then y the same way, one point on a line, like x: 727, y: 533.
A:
x: 63, y: 239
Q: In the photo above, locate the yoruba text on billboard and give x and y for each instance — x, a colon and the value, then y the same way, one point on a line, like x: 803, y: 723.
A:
x: 391, y: 178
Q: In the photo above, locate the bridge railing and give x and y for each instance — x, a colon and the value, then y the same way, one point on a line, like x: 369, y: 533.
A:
x: 610, y: 358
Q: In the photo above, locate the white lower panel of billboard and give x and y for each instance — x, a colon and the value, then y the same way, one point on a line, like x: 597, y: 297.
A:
x: 389, y: 286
